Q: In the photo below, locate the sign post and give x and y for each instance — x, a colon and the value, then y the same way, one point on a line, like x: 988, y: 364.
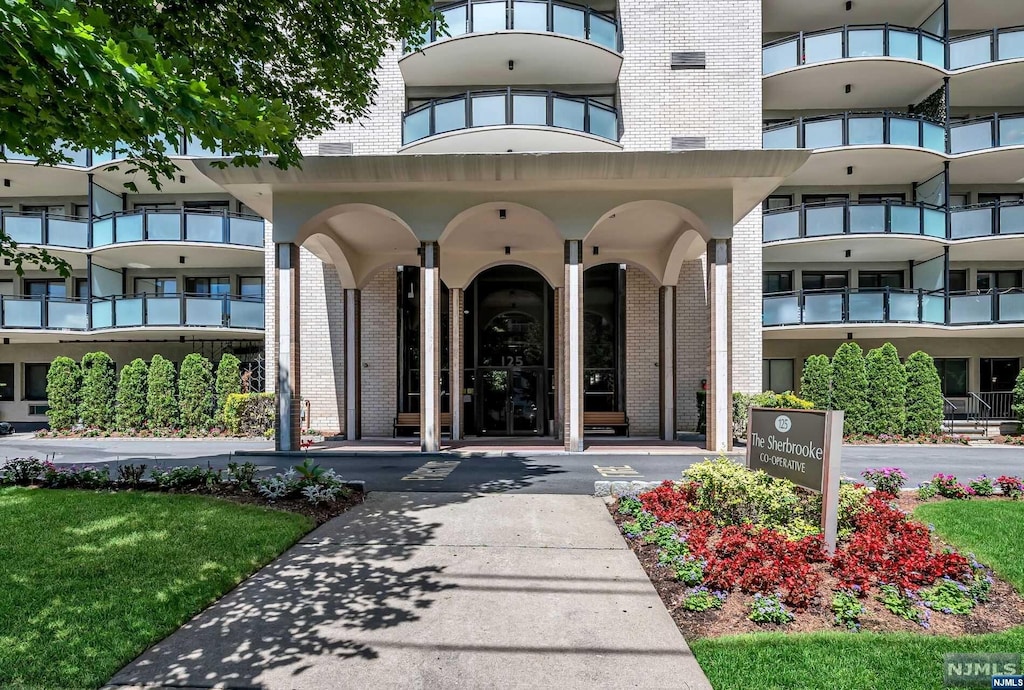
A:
x: 805, y: 447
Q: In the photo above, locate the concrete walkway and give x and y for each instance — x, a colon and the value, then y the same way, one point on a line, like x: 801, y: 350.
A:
x: 428, y: 590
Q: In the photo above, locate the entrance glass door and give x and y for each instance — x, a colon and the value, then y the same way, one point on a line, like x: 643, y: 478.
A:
x: 510, y: 401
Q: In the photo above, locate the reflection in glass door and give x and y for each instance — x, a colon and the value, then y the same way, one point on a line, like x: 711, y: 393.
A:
x: 510, y: 401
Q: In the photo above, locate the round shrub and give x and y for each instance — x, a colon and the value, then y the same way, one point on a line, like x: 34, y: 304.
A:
x: 924, y: 396
x: 229, y: 382
x: 850, y: 387
x: 249, y: 414
x: 131, y: 396
x: 161, y: 405
x: 887, y: 391
x: 99, y: 391
x: 816, y: 381
x: 195, y: 392
x: 63, y: 390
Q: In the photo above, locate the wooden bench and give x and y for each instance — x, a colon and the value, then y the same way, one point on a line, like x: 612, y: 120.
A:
x: 411, y: 420
x: 606, y: 420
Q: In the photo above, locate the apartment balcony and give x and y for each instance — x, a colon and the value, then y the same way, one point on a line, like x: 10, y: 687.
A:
x: 153, y: 315
x: 988, y: 150
x: 892, y: 313
x: 516, y: 42
x: 988, y: 68
x: 510, y: 120
x: 881, y: 63
x: 862, y: 148
x: 869, y: 231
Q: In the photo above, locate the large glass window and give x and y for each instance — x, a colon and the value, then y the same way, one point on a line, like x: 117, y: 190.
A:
x: 250, y: 288
x: 824, y: 281
x: 156, y: 286
x: 6, y: 382
x: 958, y: 281
x: 998, y: 280
x: 208, y: 286
x: 35, y: 381
x: 880, y: 280
x: 999, y: 374
x: 953, y: 374
x: 777, y: 281
x: 778, y: 375
x: 602, y: 287
x: 46, y: 288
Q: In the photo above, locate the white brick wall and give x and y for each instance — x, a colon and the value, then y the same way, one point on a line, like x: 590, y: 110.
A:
x: 380, y: 353
x: 693, y: 339
x: 642, y: 331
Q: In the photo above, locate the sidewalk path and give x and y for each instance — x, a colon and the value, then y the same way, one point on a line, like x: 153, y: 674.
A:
x: 430, y: 590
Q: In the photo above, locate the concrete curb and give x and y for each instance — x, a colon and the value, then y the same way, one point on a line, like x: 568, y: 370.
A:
x: 614, y: 489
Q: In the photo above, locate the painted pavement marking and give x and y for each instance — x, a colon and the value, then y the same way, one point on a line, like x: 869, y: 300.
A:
x: 433, y: 471
x: 617, y: 471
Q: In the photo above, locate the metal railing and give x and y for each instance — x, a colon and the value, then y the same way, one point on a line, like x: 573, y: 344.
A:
x: 856, y: 129
x: 482, y: 16
x: 167, y: 225
x: 993, y: 131
x: 984, y: 47
x: 87, y: 158
x: 131, y: 311
x: 510, y: 107
x: 986, y: 220
x: 977, y: 307
x: 853, y: 41
x: 832, y: 218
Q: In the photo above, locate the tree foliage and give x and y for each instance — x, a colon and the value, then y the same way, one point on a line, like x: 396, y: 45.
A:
x: 229, y: 381
x: 161, y: 403
x: 1018, y: 399
x: 850, y: 387
x: 99, y: 390
x: 816, y: 381
x: 245, y: 78
x: 195, y: 392
x: 887, y: 391
x: 63, y: 391
x: 924, y: 396
x: 131, y: 396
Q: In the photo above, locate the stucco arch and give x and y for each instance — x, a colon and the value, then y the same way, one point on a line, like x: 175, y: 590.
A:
x: 656, y: 236
x: 360, y: 239
x: 476, y: 238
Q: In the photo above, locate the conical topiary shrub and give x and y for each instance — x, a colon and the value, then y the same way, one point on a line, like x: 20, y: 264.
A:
x: 161, y: 403
x: 229, y: 381
x: 887, y: 391
x: 924, y: 396
x: 131, y: 396
x: 195, y: 392
x: 850, y: 387
x: 99, y: 391
x: 816, y: 381
x: 63, y: 393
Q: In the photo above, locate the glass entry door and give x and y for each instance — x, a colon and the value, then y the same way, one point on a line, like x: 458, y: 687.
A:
x: 510, y: 401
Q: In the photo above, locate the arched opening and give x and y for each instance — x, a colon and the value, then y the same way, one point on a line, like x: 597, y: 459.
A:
x: 604, y: 338
x: 508, y: 353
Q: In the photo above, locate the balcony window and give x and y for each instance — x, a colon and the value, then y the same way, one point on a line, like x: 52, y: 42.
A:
x: 777, y: 281
x: 958, y: 281
x: 879, y: 280
x: 250, y: 288
x: 953, y: 375
x: 46, y: 288
x: 156, y: 286
x: 213, y: 287
x: 988, y: 281
x: 6, y: 382
x: 778, y: 374
x: 824, y: 281
x: 35, y: 381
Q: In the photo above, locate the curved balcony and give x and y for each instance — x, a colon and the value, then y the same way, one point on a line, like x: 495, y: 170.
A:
x: 543, y: 41
x: 810, y: 232
x: 220, y: 231
x: 857, y: 148
x: 882, y: 64
x: 989, y: 68
x: 162, y: 313
x: 510, y: 120
x: 987, y: 232
x: 988, y: 149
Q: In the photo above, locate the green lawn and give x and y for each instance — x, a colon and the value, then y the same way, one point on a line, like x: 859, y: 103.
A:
x: 89, y: 580
x: 993, y: 531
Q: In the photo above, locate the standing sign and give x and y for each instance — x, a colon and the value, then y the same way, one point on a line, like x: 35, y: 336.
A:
x: 805, y: 447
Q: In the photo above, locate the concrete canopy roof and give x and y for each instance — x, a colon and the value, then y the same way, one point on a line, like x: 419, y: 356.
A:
x: 751, y: 175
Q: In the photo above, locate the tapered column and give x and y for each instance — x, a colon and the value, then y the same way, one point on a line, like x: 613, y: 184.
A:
x: 353, y: 365
x: 719, y: 402
x: 667, y: 361
x: 289, y: 400
x: 572, y: 344
x: 455, y: 366
x: 430, y: 347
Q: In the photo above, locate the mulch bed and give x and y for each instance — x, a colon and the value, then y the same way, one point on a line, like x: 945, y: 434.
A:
x: 1004, y: 610
x: 319, y: 514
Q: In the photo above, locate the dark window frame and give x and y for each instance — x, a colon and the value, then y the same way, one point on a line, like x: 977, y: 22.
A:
x: 26, y: 368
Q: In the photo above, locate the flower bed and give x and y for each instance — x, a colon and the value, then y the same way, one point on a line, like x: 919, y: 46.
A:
x: 734, y: 551
x: 309, y: 489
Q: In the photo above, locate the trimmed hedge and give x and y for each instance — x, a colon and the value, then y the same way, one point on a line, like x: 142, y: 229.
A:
x: 816, y: 381
x: 742, y: 402
x: 887, y: 391
x: 63, y: 393
x: 131, y: 396
x: 99, y: 390
x: 850, y: 387
x: 161, y: 405
x: 924, y: 396
x: 195, y: 386
x: 229, y: 381
x: 249, y: 414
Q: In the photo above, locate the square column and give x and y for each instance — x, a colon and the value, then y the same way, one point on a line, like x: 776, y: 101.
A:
x: 353, y: 365
x: 289, y: 401
x: 572, y: 347
x: 667, y: 361
x: 557, y: 386
x: 430, y: 347
x: 719, y: 401
x: 455, y: 366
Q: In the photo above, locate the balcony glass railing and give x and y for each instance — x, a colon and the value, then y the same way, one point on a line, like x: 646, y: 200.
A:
x: 987, y: 133
x: 858, y: 41
x: 987, y: 220
x: 174, y: 225
x: 856, y: 129
x: 853, y: 218
x: 816, y: 307
x: 87, y: 158
x: 484, y: 16
x: 131, y: 311
x: 976, y: 307
x: 510, y: 107
x: 986, y: 46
